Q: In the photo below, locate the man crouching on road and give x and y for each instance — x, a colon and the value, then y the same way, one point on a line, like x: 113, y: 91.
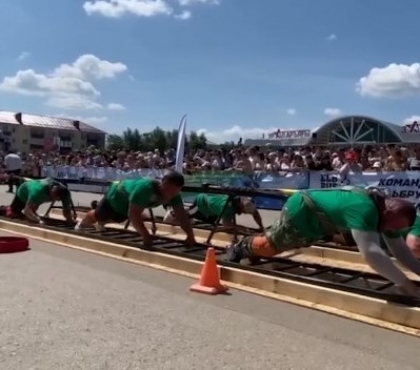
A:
x: 127, y: 199
x: 308, y: 216
x: 412, y: 237
x: 410, y: 234
x: 32, y: 193
x: 208, y: 208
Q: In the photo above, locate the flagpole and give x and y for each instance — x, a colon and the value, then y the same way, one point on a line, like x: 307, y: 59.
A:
x: 179, y: 161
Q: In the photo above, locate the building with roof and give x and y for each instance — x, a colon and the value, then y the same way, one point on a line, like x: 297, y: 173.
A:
x: 283, y: 138
x: 27, y: 133
x: 348, y: 130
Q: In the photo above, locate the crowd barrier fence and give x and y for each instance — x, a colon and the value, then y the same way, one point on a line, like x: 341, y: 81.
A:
x: 402, y: 184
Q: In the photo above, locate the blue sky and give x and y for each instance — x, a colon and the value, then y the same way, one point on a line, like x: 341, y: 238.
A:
x: 236, y: 67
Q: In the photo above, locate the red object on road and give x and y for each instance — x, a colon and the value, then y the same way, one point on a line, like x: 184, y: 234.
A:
x: 13, y: 244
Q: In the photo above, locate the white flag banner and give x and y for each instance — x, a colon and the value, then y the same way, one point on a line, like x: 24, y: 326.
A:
x: 179, y: 161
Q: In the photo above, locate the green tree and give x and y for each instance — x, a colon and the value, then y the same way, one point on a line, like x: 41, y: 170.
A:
x: 129, y: 139
x: 172, y: 138
x: 156, y: 139
x: 202, y: 140
x: 136, y: 140
x: 115, y: 142
x: 197, y: 141
x: 228, y: 145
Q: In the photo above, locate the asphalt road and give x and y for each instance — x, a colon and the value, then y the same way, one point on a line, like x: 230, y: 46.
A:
x: 62, y: 309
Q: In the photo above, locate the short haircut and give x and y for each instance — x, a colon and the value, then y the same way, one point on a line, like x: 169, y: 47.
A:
x: 174, y: 178
x: 403, y: 207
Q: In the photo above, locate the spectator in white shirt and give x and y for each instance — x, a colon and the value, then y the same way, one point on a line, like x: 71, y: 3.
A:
x: 13, y: 165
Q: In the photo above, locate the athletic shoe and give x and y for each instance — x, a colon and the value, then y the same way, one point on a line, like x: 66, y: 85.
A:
x: 78, y: 227
x: 237, y: 252
x: 234, y: 253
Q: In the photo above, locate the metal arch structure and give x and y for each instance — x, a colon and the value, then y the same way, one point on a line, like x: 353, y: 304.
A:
x: 353, y: 134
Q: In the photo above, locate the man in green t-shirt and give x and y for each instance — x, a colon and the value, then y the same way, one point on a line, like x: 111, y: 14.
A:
x: 127, y: 199
x: 32, y: 193
x: 308, y: 216
x: 412, y: 237
x: 208, y: 208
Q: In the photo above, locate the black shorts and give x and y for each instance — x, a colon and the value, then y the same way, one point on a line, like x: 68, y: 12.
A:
x: 105, y: 213
x: 13, y: 172
x: 17, y: 206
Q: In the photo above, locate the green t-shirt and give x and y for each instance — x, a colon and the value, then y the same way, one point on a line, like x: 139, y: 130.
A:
x: 347, y: 210
x: 212, y: 206
x: 141, y: 192
x: 37, y: 192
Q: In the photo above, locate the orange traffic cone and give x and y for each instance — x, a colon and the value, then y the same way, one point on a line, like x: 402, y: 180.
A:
x: 209, y: 280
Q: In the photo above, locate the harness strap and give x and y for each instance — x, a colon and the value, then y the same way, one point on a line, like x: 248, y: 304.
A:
x: 377, y: 197
x: 324, y: 221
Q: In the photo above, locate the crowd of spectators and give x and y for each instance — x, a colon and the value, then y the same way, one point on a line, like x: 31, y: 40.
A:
x: 247, y: 160
x: 367, y: 158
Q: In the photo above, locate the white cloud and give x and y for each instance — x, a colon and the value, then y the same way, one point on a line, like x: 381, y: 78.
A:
x: 86, y: 119
x: 28, y: 82
x: 115, y: 106
x: 332, y: 112
x: 92, y: 120
x: 331, y: 37
x: 192, y: 2
x: 411, y: 119
x: 90, y: 67
x: 186, y: 14
x: 69, y: 86
x: 142, y: 8
x: 119, y: 8
x: 235, y: 132
x: 291, y: 112
x: 24, y: 55
x: 392, y: 81
x: 74, y: 102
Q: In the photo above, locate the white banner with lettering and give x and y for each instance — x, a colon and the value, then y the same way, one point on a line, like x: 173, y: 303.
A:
x: 97, y: 173
x: 404, y: 184
x: 264, y: 180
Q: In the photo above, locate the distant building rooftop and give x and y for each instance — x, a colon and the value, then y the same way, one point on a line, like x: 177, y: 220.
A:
x: 283, y: 138
x: 16, y: 118
x: 344, y: 130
